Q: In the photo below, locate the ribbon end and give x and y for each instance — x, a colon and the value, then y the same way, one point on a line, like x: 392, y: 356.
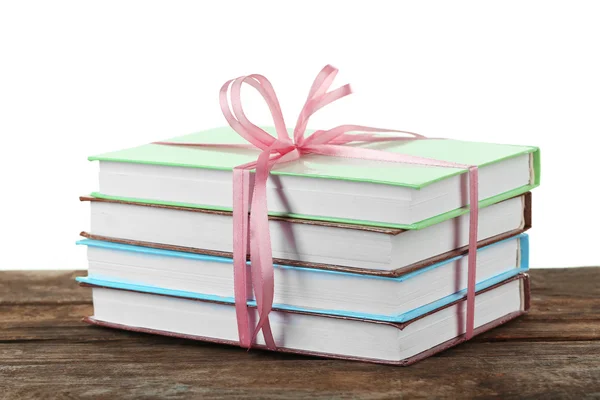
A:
x: 268, y: 336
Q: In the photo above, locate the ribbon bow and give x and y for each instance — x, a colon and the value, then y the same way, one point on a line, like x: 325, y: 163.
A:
x: 282, y: 148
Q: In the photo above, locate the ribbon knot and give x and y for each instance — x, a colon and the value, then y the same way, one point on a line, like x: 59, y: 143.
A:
x: 253, y: 234
x: 285, y: 147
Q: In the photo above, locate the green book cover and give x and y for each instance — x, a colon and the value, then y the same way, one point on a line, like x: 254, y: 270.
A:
x: 338, y: 168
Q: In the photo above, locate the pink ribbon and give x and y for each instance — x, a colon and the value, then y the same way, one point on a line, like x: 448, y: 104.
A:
x: 282, y: 148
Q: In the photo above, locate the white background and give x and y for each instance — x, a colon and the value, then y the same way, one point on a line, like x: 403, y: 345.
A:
x: 80, y: 78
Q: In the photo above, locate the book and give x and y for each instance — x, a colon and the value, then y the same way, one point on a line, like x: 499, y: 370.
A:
x: 352, y: 338
x: 310, y: 290
x: 374, y: 193
x: 314, y: 244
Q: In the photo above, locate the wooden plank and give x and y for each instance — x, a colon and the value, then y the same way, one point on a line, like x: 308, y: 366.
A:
x: 41, y: 287
x: 579, y: 282
x: 183, y: 369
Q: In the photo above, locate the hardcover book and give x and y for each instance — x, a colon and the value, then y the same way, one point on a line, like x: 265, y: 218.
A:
x: 375, y: 193
x: 401, y: 343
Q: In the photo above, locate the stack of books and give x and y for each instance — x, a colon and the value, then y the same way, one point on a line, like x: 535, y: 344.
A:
x: 371, y: 257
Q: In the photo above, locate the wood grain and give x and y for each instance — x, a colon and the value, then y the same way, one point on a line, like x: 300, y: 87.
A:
x: 46, y: 352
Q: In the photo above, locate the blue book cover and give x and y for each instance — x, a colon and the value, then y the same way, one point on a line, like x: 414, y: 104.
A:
x: 400, y: 282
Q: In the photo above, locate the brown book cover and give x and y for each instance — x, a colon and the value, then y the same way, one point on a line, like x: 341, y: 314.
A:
x: 386, y: 231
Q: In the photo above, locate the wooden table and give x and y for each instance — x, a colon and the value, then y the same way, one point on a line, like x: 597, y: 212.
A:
x: 46, y: 352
